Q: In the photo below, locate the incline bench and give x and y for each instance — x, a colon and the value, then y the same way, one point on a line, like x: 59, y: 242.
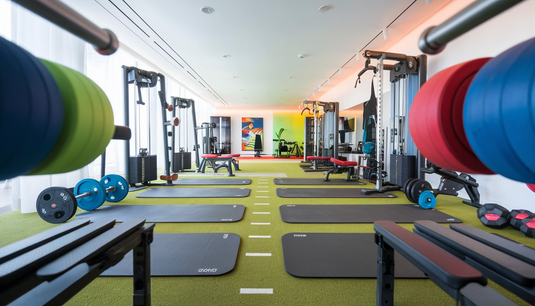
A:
x: 212, y: 159
x: 458, y: 279
x: 51, y: 267
x: 341, y: 166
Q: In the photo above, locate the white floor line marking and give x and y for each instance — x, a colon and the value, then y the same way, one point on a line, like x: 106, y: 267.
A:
x: 261, y: 213
x: 262, y: 191
x: 262, y: 186
x: 262, y: 182
x: 260, y: 223
x: 261, y: 203
x: 256, y: 290
x: 262, y: 197
x: 258, y: 254
x: 259, y: 236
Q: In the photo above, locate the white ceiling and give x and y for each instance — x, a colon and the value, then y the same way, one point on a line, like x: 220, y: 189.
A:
x: 263, y: 39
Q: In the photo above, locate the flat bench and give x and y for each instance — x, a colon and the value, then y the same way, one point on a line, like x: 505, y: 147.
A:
x: 51, y: 267
x: 213, y: 159
x: 234, y: 161
x: 458, y: 279
x: 319, y: 161
x: 343, y: 166
x: 506, y: 262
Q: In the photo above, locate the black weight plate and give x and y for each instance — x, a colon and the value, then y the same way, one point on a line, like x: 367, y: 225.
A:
x: 56, y: 204
x: 418, y: 187
x: 406, y: 186
x: 409, y: 187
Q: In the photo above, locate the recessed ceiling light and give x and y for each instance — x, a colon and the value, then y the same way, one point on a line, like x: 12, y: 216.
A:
x: 286, y: 90
x: 325, y: 8
x: 207, y: 10
x: 226, y: 55
x: 245, y: 97
x: 242, y: 89
x: 235, y: 77
x: 291, y: 77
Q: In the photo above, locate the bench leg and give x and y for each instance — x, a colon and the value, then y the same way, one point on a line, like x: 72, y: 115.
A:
x: 385, y: 272
x: 236, y: 165
x: 142, y: 280
x: 326, y: 179
x: 202, y: 165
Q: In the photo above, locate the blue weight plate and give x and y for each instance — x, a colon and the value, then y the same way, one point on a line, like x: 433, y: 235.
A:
x: 29, y: 110
x: 427, y: 200
x: 483, y: 119
x: 121, y: 190
x: 96, y: 197
x: 517, y: 108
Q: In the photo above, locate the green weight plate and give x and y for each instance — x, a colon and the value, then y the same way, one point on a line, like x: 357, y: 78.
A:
x: 417, y: 188
x: 96, y: 194
x: 121, y: 187
x: 77, y: 122
x: 427, y: 200
x: 105, y: 114
x: 56, y: 205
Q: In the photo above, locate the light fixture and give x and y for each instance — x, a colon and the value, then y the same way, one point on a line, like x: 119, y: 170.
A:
x: 325, y: 8
x: 385, y: 33
x: 329, y: 81
x: 235, y: 77
x: 291, y: 77
x: 340, y: 70
x: 226, y: 55
x: 207, y: 10
x: 300, y: 55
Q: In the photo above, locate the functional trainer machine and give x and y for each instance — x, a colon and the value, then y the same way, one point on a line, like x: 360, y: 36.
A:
x: 181, y: 160
x: 407, y: 75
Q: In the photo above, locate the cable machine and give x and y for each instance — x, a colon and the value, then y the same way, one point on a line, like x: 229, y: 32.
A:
x: 181, y: 160
x: 321, y: 130
x: 407, y: 75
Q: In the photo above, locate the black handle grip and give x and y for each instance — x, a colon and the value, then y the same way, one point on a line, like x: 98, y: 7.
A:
x: 122, y: 132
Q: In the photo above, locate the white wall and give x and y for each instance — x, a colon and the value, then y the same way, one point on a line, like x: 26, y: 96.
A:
x: 235, y: 128
x: 489, y: 39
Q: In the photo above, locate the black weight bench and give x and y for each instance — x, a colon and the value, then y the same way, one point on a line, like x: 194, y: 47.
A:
x: 508, y: 263
x: 212, y: 160
x: 459, y: 280
x: 51, y: 267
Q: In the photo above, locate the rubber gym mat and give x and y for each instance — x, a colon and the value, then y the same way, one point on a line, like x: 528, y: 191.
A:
x: 338, y: 255
x: 314, y: 181
x: 328, y: 193
x: 212, y: 182
x: 399, y: 213
x: 195, y: 254
x: 168, y: 213
x: 195, y: 193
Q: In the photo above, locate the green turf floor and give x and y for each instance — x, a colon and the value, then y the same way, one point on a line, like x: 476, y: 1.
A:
x: 261, y: 272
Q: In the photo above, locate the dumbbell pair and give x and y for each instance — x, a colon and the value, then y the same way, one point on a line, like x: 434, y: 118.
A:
x: 497, y: 216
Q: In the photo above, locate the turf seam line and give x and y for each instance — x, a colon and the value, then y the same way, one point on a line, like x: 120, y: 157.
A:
x: 261, y: 203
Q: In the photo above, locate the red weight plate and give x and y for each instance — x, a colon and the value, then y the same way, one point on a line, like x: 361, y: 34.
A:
x: 436, y: 118
x: 531, y: 187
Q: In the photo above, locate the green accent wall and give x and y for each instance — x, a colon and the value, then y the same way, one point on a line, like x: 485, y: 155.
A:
x: 293, y: 124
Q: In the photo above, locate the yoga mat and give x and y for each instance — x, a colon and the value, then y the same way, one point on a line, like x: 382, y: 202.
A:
x: 399, y: 213
x: 314, y: 181
x: 168, y: 213
x: 338, y: 255
x: 186, y: 255
x: 171, y: 192
x: 212, y: 182
x: 328, y: 193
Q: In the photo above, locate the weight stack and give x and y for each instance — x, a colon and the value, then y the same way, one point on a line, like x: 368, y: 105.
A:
x: 142, y: 169
x: 181, y: 161
x: 402, y: 168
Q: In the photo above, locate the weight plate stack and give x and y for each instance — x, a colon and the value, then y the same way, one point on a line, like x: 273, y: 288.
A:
x: 406, y: 187
x: 105, y: 115
x: 121, y: 187
x: 96, y: 194
x: 56, y: 205
x: 31, y: 110
x: 498, y: 116
x: 417, y: 187
x: 436, y: 115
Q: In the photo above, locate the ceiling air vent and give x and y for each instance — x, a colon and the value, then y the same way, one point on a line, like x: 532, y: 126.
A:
x: 325, y: 8
x: 207, y: 10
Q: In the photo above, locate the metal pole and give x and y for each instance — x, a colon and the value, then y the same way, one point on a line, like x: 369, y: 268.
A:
x: 434, y: 39
x: 379, y: 126
x: 103, y: 40
x: 126, y: 122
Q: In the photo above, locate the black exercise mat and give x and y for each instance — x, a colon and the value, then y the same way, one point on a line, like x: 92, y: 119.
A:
x: 399, y: 213
x: 186, y: 255
x: 328, y: 193
x: 171, y: 192
x: 212, y: 182
x: 314, y: 181
x: 168, y: 213
x: 338, y: 255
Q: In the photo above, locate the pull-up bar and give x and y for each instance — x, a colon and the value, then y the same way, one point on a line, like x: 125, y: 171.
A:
x: 104, y: 41
x: 434, y: 39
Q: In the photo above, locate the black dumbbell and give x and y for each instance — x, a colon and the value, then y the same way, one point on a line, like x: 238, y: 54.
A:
x: 493, y: 215
x: 517, y: 215
x: 528, y: 227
